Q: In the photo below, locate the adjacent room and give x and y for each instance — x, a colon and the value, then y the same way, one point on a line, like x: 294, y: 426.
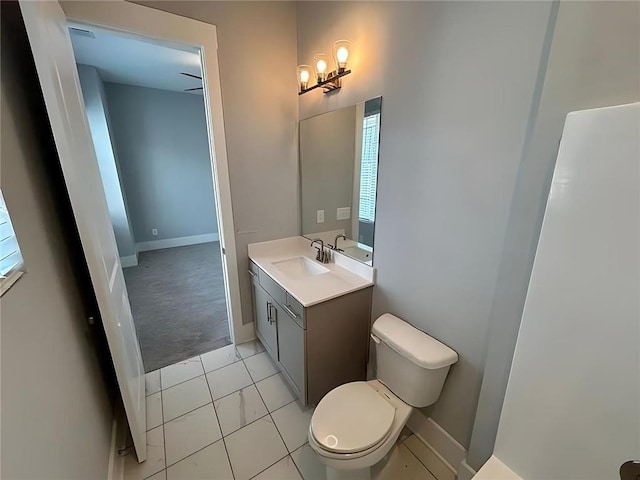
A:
x: 146, y: 114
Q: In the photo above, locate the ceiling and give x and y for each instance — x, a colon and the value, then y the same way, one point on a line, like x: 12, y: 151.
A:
x: 122, y: 58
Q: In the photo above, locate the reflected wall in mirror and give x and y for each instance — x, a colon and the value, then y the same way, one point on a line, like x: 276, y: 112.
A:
x: 339, y: 175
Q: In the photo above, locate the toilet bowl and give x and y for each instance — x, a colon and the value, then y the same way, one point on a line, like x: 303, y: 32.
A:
x: 356, y: 424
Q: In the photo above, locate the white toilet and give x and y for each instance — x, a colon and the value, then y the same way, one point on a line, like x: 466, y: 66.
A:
x: 355, y: 425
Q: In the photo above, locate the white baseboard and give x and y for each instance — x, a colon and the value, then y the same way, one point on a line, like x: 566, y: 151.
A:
x: 129, y: 261
x: 437, y: 437
x: 434, y: 447
x: 431, y: 459
x: 176, y: 242
x: 118, y: 442
x: 465, y: 472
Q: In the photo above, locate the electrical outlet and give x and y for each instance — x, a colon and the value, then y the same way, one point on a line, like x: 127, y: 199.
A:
x: 154, y: 231
x: 320, y: 216
x: 343, y: 213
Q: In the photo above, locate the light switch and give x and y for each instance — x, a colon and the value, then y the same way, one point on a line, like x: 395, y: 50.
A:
x: 320, y: 216
x: 343, y: 213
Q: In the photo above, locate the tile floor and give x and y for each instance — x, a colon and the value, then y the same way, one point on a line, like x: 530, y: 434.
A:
x: 228, y: 414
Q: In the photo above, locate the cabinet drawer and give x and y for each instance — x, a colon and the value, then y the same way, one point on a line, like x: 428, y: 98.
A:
x: 296, y: 310
x: 272, y: 288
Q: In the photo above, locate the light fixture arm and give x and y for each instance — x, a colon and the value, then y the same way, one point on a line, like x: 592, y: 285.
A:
x: 331, y: 84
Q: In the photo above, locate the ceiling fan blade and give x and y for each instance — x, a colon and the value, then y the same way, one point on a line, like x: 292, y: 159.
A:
x: 191, y: 89
x: 190, y: 75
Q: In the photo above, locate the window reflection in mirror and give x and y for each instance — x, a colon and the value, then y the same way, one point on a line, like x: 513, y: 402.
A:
x: 339, y: 175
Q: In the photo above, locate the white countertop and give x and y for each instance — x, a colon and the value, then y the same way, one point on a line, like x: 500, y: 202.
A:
x: 345, y: 274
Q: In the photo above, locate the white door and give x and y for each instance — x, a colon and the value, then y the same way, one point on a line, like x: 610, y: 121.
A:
x: 46, y: 26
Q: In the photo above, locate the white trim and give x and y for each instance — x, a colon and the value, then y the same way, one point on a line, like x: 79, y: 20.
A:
x: 465, y: 472
x: 118, y: 442
x: 129, y: 261
x: 430, y: 458
x: 7, y: 282
x: 176, y: 242
x: 133, y: 19
x: 437, y: 438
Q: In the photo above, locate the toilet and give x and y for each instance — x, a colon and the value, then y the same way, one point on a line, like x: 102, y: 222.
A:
x: 356, y: 424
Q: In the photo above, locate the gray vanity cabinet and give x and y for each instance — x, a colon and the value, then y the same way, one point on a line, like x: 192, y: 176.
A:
x: 291, y: 349
x: 316, y: 348
x: 266, y: 318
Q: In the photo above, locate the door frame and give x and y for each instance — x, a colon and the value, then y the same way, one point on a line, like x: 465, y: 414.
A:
x: 137, y: 20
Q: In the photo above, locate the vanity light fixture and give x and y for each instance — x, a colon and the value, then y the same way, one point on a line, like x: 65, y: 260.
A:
x: 329, y: 81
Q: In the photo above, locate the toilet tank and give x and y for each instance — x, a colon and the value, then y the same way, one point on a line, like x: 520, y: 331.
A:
x: 410, y: 363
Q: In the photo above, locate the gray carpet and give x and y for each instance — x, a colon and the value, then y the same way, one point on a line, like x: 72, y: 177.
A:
x: 178, y: 302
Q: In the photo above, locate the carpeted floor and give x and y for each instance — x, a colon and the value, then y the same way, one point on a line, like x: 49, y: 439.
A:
x: 178, y: 303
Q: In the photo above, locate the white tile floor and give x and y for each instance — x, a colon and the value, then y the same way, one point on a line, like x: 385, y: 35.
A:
x: 228, y: 414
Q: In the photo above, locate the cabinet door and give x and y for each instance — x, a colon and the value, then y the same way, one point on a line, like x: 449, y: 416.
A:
x: 291, y: 346
x: 266, y: 321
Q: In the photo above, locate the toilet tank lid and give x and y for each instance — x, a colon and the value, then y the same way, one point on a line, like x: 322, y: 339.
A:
x: 413, y: 344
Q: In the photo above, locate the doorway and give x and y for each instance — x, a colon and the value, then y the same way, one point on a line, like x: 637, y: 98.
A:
x: 146, y: 112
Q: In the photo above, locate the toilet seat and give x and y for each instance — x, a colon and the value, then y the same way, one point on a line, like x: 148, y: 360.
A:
x: 352, y: 418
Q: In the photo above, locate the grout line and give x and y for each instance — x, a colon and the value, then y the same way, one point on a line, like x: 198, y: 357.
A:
x: 416, y: 457
x: 273, y: 422
x: 220, y: 368
x: 264, y: 470
x: 295, y: 465
x: 191, y: 454
x: 184, y: 381
x: 254, y: 383
x: 215, y: 412
x: 207, y: 372
x: 268, y: 376
x: 164, y: 436
x: 293, y: 460
x: 240, y: 428
x: 187, y: 413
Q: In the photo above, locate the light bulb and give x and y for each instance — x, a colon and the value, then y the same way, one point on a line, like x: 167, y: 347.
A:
x: 304, y: 73
x: 320, y: 65
x: 342, y: 54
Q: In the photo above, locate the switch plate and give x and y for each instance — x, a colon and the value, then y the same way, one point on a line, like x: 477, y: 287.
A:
x: 343, y: 213
x: 154, y: 231
x: 320, y: 216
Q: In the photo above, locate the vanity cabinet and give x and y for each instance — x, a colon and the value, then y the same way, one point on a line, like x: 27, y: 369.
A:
x: 266, y: 319
x: 317, y: 348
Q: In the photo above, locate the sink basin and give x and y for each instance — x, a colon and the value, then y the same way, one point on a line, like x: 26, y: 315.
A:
x: 359, y: 253
x: 300, y: 267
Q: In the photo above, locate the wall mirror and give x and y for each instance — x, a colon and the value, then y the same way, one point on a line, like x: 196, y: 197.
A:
x: 339, y: 175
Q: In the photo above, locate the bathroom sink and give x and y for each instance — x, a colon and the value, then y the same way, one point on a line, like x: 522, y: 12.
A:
x: 358, y: 253
x: 300, y: 267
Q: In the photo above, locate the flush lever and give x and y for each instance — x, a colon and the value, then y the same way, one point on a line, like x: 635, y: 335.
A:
x: 375, y: 339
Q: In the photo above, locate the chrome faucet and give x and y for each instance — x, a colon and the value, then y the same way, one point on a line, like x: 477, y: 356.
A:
x: 322, y: 255
x: 335, y: 242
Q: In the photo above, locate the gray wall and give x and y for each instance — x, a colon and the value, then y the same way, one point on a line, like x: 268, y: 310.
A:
x: 163, y: 150
x: 56, y: 414
x: 458, y: 81
x: 256, y: 43
x: 327, y: 158
x: 594, y: 61
x: 99, y: 123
